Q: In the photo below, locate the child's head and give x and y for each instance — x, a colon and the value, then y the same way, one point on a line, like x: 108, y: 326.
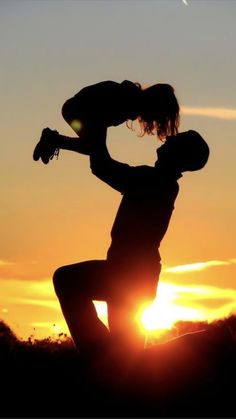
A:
x: 186, y: 151
x: 159, y: 113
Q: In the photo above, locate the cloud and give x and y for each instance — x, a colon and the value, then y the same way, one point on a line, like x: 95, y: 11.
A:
x: 52, y: 304
x: 6, y: 263
x: 216, y: 303
x: 199, y: 266
x: 219, y: 113
x: 213, y: 302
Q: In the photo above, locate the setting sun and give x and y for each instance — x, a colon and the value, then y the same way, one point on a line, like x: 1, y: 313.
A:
x: 164, y: 312
x: 175, y: 302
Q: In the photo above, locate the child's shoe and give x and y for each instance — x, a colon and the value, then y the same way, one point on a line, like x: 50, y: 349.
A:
x: 46, y: 148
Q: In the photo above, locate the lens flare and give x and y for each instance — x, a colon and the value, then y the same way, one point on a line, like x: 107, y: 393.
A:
x: 76, y: 125
x: 4, y: 310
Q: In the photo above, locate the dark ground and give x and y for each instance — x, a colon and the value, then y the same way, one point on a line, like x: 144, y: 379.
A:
x: 193, y: 375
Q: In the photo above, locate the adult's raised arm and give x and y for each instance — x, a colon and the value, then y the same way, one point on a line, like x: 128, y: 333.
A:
x: 118, y: 175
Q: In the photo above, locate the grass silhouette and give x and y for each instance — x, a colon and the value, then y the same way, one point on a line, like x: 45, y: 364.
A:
x: 189, y: 373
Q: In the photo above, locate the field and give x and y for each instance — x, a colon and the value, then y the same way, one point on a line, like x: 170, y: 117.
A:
x: 190, y: 373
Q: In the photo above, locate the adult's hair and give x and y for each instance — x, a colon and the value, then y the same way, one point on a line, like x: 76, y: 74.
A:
x: 159, y: 114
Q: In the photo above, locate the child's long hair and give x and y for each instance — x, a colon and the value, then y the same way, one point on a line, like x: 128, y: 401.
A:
x: 160, y: 113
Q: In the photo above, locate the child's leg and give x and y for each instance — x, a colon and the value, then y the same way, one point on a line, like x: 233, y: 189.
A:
x: 51, y: 142
x: 90, y: 137
x: 84, y: 123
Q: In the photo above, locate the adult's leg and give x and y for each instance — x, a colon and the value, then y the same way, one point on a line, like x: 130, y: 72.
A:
x: 76, y: 287
x: 127, y: 339
x: 134, y: 288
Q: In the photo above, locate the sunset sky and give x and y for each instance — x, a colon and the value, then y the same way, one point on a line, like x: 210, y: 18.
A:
x: 60, y: 214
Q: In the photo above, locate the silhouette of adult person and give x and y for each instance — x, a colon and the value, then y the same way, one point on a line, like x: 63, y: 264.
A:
x: 130, y: 274
x: 102, y: 105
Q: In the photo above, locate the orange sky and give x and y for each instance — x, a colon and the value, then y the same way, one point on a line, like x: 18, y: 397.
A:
x: 31, y: 307
x: 60, y: 214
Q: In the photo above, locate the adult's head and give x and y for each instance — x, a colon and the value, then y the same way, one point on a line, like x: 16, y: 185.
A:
x: 186, y: 151
x: 159, y: 110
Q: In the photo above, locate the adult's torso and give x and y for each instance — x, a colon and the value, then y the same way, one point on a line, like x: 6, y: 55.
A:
x: 142, y: 219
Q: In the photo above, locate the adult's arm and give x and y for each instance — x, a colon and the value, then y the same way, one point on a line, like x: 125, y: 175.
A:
x: 118, y: 175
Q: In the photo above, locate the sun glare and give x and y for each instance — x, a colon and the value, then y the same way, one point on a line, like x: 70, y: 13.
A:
x: 165, y: 311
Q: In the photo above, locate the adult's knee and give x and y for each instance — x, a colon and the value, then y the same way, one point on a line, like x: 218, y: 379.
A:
x: 59, y: 280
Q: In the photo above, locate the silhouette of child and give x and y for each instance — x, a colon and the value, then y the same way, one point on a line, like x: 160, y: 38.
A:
x: 130, y: 274
x: 109, y: 104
